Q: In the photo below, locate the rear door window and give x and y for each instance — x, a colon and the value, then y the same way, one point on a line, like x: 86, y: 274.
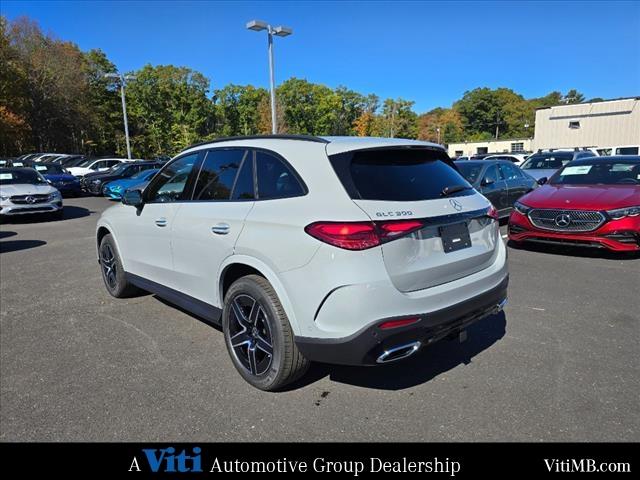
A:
x: 398, y: 174
x: 275, y: 178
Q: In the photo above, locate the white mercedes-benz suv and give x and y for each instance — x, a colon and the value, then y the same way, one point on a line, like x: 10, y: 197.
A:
x: 344, y: 250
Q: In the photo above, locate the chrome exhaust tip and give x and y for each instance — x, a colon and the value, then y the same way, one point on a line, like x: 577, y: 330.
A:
x: 398, y: 353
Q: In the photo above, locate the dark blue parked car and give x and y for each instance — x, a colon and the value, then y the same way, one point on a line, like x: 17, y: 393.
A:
x: 66, y: 183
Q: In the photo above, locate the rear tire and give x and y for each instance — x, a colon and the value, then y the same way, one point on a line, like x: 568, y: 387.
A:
x: 258, y: 335
x: 113, y: 274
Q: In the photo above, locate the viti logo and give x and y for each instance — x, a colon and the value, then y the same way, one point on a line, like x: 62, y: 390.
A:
x: 166, y: 460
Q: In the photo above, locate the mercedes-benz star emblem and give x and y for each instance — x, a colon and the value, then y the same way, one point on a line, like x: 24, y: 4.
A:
x: 563, y: 220
x: 30, y: 199
x: 455, y: 204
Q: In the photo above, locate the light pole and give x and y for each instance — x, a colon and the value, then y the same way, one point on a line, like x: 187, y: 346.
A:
x: 280, y: 31
x: 123, y: 79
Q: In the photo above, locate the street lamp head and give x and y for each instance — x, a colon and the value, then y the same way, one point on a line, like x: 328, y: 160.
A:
x: 257, y: 25
x: 111, y: 75
x: 282, y: 31
x: 129, y: 78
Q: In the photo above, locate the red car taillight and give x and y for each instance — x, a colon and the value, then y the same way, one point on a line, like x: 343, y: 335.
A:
x: 493, y: 213
x: 360, y: 235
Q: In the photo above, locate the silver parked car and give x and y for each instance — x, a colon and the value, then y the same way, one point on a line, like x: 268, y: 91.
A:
x: 25, y: 191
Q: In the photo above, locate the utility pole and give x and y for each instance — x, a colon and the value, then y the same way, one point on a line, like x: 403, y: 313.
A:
x: 122, y: 80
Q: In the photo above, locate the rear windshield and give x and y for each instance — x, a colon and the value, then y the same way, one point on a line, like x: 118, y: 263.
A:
x: 399, y: 175
x: 547, y: 161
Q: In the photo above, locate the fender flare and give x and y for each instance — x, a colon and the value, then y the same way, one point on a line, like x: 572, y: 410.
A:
x: 271, y: 277
x: 110, y: 229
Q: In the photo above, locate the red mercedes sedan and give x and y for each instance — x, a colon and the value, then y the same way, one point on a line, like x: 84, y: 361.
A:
x: 592, y: 202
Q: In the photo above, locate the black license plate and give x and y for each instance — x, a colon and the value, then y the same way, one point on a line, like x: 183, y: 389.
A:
x: 455, y: 237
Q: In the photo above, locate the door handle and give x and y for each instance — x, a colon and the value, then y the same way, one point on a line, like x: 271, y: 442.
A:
x: 161, y: 222
x: 221, y: 228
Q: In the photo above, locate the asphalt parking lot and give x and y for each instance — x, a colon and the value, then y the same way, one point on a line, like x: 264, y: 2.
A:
x: 560, y: 364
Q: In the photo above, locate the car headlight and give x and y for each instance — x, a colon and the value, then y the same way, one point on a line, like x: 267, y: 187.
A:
x: 96, y: 182
x: 54, y: 196
x: 619, y: 213
x: 521, y: 208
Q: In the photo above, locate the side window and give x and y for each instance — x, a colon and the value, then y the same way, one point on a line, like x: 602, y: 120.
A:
x: 218, y: 174
x: 275, y: 179
x: 492, y: 175
x: 169, y: 184
x: 509, y: 171
x: 243, y: 189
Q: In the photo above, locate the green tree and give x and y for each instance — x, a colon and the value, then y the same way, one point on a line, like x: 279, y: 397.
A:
x: 397, y: 119
x: 573, y: 96
x: 237, y: 109
x: 168, y: 109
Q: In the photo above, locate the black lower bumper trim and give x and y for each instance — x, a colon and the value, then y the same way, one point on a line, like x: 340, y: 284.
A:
x: 366, y: 345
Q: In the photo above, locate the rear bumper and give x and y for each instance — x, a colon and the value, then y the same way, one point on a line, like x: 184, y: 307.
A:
x: 615, y: 235
x: 367, y: 345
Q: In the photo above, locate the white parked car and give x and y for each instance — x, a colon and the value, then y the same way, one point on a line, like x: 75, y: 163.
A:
x: 24, y: 191
x: 620, y: 150
x: 91, y: 165
x: 344, y: 250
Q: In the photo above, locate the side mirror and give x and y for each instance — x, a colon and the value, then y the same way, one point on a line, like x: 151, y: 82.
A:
x: 133, y: 198
x: 487, y: 181
x: 542, y: 181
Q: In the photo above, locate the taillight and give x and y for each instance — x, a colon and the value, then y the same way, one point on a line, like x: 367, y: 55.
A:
x: 403, y: 322
x: 361, y: 235
x: 390, y: 230
x: 493, y: 213
x: 351, y: 236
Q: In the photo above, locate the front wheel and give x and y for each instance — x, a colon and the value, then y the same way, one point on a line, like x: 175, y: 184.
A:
x: 113, y: 274
x: 258, y: 335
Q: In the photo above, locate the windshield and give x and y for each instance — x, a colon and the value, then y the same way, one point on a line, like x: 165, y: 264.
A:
x: 144, y: 174
x: 599, y: 173
x: 547, y: 161
x: 20, y: 176
x: 118, y: 169
x: 470, y: 171
x: 85, y: 163
x: 50, y: 169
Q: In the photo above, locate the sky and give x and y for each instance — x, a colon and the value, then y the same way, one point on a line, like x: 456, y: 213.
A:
x: 428, y: 52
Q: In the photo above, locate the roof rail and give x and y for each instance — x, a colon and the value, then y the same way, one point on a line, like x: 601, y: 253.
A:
x: 306, y: 138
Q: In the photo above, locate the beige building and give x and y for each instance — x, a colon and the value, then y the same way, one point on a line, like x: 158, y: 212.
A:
x: 602, y: 125
x: 514, y: 145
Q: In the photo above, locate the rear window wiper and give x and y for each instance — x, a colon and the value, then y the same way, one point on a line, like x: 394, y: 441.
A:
x: 446, y: 191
